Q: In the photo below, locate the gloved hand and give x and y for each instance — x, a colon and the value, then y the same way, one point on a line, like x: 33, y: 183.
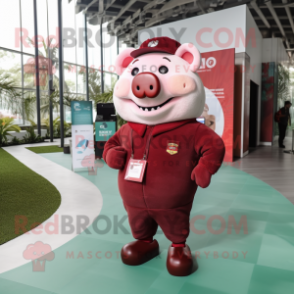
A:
x: 116, y: 157
x: 201, y: 175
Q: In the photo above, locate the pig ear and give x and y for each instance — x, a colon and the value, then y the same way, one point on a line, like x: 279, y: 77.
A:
x: 123, y: 60
x: 191, y: 54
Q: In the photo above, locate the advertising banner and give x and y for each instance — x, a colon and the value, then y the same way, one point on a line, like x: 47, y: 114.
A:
x: 104, y: 130
x: 82, y: 134
x: 217, y: 75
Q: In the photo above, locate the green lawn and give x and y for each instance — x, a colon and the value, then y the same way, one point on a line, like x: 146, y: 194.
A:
x: 24, y: 195
x: 45, y: 149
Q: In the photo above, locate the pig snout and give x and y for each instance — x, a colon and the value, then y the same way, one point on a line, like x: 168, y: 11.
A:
x: 146, y: 85
x: 181, y: 85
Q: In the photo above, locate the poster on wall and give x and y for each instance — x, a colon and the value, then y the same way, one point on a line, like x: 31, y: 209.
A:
x: 82, y: 135
x: 217, y: 75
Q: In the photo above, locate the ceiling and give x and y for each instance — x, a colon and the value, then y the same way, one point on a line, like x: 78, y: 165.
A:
x: 126, y: 17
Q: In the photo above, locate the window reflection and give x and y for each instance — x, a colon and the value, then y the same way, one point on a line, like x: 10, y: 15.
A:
x: 17, y: 59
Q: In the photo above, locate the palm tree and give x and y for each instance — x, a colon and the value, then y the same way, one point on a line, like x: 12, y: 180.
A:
x: 7, y: 125
x: 66, y: 127
x: 9, y: 95
x: 94, y: 83
x: 54, y: 97
x: 283, y: 85
x: 29, y: 106
x: 53, y: 59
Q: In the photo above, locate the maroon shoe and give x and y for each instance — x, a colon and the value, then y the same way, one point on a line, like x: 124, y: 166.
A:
x: 179, y: 261
x: 139, y: 252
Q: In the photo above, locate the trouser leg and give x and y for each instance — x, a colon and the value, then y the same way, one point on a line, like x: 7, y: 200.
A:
x: 174, y: 222
x: 282, y: 133
x: 143, y: 226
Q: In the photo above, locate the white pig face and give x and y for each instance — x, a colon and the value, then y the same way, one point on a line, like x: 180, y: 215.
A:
x: 157, y: 88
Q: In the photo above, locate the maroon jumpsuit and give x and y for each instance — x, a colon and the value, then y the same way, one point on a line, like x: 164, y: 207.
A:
x: 166, y: 194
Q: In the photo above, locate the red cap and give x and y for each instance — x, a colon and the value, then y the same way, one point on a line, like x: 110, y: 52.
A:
x: 159, y: 44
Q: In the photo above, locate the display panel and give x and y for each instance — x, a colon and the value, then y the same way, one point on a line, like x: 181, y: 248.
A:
x: 217, y: 75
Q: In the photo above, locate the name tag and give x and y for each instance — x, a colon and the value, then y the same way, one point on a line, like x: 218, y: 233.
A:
x: 135, y: 170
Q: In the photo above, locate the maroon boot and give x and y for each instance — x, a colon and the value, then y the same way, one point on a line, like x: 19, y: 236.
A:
x: 139, y: 252
x: 179, y: 261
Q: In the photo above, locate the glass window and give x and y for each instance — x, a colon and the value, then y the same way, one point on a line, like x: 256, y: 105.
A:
x: 10, y: 104
x: 10, y: 67
x: 81, y: 71
x: 93, y: 46
x: 109, y: 50
x: 291, y: 89
x: 53, y: 21
x: 29, y: 71
x: 122, y: 46
x: 70, y: 78
x: 10, y: 28
x: 44, y: 105
x: 27, y: 15
x: 109, y: 81
x: 53, y: 39
x: 29, y: 107
x: 42, y: 24
x: 69, y: 31
x: 94, y: 82
x: 80, y: 28
x: 16, y: 110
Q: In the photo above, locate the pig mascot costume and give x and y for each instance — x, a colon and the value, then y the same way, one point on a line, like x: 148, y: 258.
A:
x: 163, y: 154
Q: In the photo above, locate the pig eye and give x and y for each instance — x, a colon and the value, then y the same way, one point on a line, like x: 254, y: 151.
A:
x: 163, y: 69
x: 135, y: 71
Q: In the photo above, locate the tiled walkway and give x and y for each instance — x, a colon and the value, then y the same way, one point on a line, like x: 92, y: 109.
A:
x: 254, y: 258
x: 78, y: 197
x: 272, y: 166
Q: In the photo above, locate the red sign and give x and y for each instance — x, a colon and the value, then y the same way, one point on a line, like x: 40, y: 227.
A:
x: 217, y: 75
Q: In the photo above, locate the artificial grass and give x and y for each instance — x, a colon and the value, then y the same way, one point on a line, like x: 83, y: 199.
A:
x: 45, y: 149
x: 23, y: 193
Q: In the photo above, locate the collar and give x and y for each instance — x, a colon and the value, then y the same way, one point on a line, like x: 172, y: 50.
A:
x: 140, y: 129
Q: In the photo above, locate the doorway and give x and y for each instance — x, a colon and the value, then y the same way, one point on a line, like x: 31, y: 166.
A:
x: 253, y: 115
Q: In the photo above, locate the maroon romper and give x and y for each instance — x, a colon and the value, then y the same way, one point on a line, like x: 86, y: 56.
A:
x: 166, y: 194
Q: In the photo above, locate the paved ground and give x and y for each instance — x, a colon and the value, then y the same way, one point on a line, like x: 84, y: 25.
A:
x: 255, y: 259
x: 272, y: 166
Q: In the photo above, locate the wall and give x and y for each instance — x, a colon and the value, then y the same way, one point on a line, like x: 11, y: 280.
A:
x: 246, y: 106
x: 238, y: 105
x: 255, y: 52
x: 241, y: 104
x: 268, y: 94
x: 274, y: 52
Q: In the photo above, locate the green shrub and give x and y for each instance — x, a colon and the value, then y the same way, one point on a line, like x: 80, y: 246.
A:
x: 15, y: 141
x: 31, y: 136
x: 7, y: 125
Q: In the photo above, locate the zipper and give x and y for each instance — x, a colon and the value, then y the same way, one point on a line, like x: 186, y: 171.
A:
x: 146, y: 156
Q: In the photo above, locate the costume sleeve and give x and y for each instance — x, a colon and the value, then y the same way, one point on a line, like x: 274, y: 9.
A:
x: 211, y: 150
x: 114, y: 154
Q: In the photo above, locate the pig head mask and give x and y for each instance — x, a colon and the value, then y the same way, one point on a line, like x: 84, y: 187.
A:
x: 156, y: 87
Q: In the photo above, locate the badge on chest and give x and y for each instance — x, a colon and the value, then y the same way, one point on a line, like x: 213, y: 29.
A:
x: 135, y: 170
x: 172, y: 148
